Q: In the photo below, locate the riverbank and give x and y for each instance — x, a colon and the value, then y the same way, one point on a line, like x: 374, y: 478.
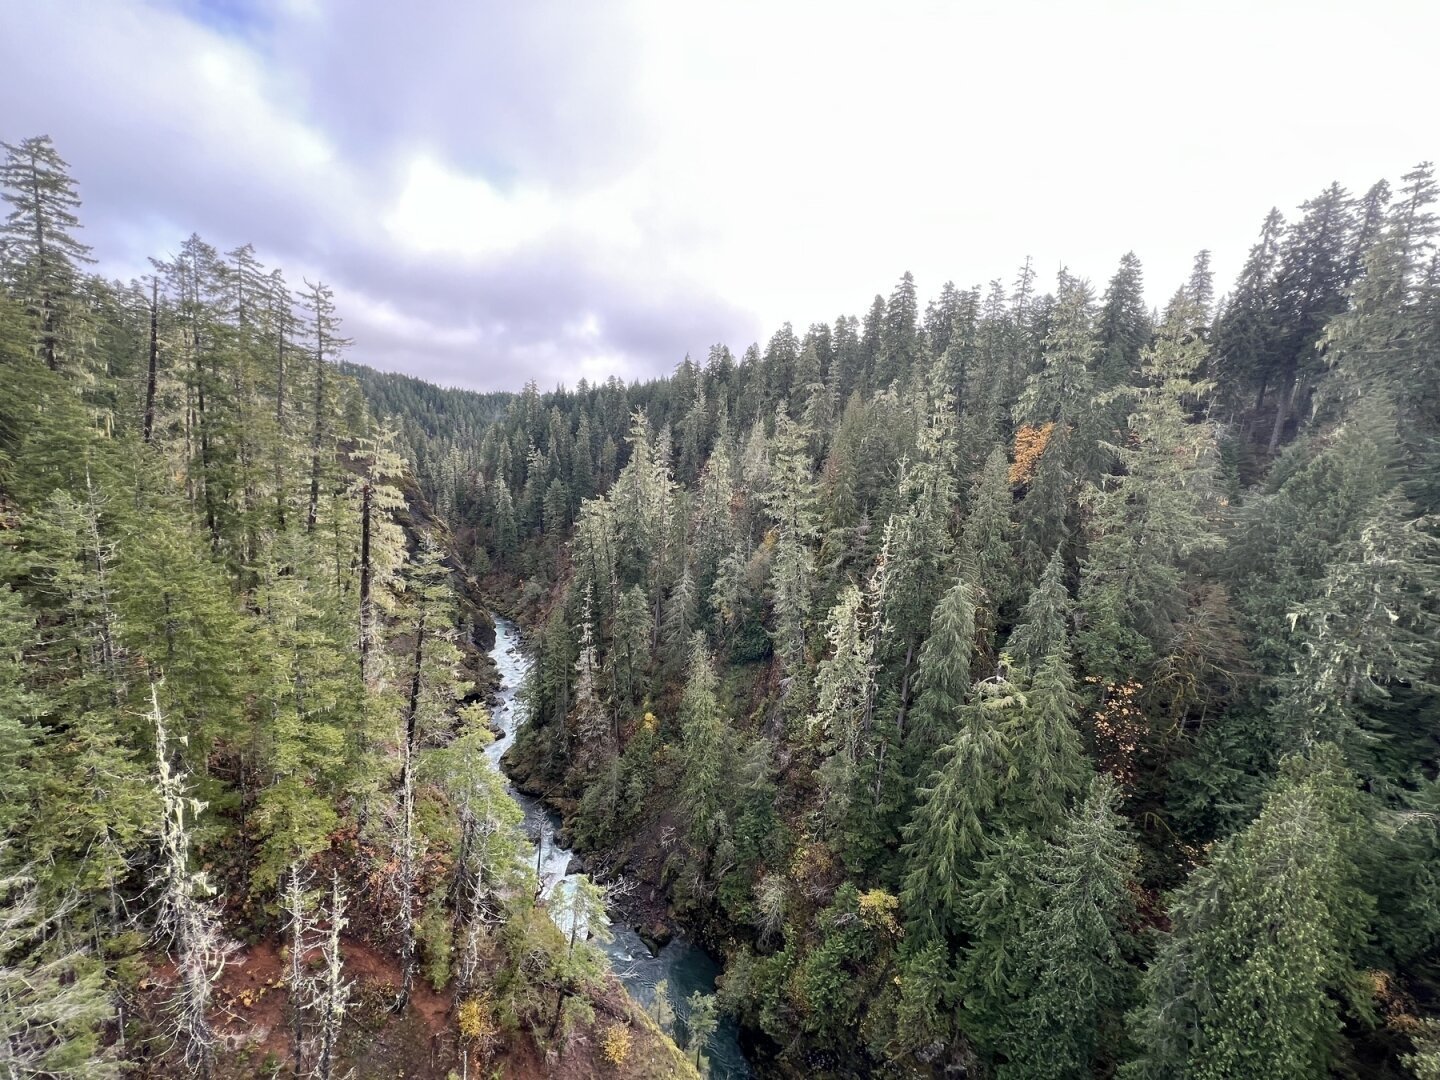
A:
x: 684, y: 966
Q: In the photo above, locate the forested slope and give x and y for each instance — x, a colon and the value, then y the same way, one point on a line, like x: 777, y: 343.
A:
x: 1037, y: 684
x: 248, y: 827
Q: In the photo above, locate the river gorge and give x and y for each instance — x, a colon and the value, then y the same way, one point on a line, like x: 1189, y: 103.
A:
x: 681, y: 963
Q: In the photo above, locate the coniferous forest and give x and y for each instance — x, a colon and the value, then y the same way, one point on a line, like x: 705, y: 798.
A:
x: 1026, y: 682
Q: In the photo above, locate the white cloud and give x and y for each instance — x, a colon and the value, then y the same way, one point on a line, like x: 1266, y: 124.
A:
x: 607, y: 192
x: 443, y: 211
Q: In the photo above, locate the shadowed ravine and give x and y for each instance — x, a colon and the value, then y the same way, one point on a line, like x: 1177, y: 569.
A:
x: 685, y: 966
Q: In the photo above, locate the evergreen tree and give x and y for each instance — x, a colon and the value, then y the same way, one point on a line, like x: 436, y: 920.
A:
x: 324, y: 326
x: 945, y: 673
x: 187, y: 919
x: 1047, y: 758
x: 42, y: 256
x: 1123, y: 326
x: 1246, y: 332
x: 1146, y: 523
x: 708, y: 749
x: 1275, y: 917
x: 1075, y: 950
x: 949, y: 831
x: 986, y: 544
x: 1061, y: 389
x: 1044, y: 627
x: 53, y: 998
x: 19, y: 708
x: 790, y: 501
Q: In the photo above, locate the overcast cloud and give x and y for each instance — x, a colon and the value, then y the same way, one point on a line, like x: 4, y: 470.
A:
x: 549, y: 189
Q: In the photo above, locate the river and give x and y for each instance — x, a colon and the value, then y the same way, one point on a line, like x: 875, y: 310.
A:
x: 682, y: 964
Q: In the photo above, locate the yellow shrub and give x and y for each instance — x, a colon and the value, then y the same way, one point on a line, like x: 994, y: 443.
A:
x: 877, y: 908
x: 615, y: 1044
x: 474, y: 1017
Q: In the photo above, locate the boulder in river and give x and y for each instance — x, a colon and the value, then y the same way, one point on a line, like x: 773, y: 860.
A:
x: 655, y: 936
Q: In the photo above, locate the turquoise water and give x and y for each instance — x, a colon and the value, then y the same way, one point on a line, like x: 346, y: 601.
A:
x: 685, y: 966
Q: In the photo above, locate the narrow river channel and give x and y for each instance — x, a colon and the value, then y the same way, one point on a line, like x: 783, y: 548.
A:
x: 684, y: 966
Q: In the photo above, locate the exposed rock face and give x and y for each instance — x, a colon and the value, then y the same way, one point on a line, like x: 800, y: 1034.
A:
x: 655, y: 936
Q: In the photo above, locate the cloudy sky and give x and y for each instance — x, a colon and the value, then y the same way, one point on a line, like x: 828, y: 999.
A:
x: 552, y: 189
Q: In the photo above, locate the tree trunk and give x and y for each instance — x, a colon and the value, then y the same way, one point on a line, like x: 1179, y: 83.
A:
x: 407, y: 825
x: 150, y: 381
x: 317, y: 438
x: 198, y: 367
x: 1283, y: 407
x: 367, y: 493
x: 280, y: 421
x: 559, y: 1004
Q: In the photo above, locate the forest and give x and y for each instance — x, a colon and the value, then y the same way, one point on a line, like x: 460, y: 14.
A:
x: 1032, y: 684
x: 249, y: 827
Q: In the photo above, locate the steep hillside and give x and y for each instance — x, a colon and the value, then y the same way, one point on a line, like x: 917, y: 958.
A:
x: 1028, y: 685
x: 247, y: 824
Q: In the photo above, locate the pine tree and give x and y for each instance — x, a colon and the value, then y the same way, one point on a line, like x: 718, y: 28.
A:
x: 844, y: 680
x: 332, y: 994
x: 434, y: 687
x: 629, y: 654
x: 41, y: 254
x: 681, y: 616
x: 489, y: 860
x: 297, y: 906
x: 187, y: 920
x: 701, y: 1020
x: 381, y: 540
x: 93, y: 805
x: 325, y: 352
x: 952, y: 821
x: 1310, y: 283
x: 1047, y: 758
x: 1369, y: 629
x: 997, y: 905
x: 944, y: 675
x: 19, y: 707
x: 986, y: 546
x: 313, y: 728
x: 54, y: 1001
x: 594, y: 734
x: 1275, y: 917
x: 1146, y: 523
x: 1044, y: 627
x: 579, y: 908
x: 1123, y: 327
x: 1200, y: 289
x: 1381, y: 347
x: 899, y: 336
x: 1061, y: 389
x: 790, y: 502
x: 709, y: 752
x: 1247, y: 330
x: 1075, y: 950
x: 917, y: 543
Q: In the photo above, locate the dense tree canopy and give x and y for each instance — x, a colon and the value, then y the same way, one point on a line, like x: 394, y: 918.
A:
x: 1026, y: 682
x: 1024, y: 600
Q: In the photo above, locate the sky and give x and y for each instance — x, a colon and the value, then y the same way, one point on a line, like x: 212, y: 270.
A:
x: 557, y: 189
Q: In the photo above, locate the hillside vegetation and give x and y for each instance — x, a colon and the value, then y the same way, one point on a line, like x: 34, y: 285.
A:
x: 1032, y: 685
x: 248, y: 827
